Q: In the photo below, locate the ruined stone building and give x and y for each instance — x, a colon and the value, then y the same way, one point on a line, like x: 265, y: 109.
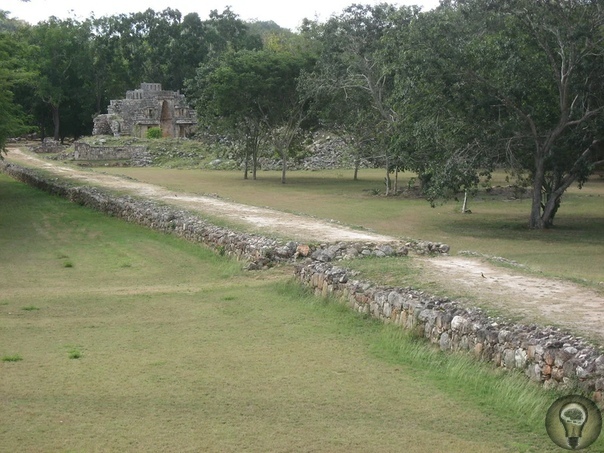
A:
x: 147, y: 107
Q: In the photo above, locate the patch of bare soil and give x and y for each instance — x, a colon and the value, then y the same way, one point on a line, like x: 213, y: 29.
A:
x: 533, y: 299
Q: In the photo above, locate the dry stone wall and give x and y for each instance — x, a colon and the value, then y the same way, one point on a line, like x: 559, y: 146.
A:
x: 84, y: 151
x: 545, y: 355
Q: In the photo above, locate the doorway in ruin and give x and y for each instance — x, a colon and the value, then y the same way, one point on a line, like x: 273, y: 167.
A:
x: 166, y: 118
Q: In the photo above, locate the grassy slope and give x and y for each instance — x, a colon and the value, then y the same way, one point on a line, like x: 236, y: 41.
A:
x: 180, y: 350
x: 574, y: 249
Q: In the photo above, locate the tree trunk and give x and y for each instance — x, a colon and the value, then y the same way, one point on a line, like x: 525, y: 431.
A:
x: 357, y: 164
x: 254, y: 162
x: 56, y: 120
x: 395, y: 189
x: 550, y: 209
x: 464, y: 207
x: 283, y: 166
x: 387, y: 178
x: 535, y: 221
x: 246, y: 165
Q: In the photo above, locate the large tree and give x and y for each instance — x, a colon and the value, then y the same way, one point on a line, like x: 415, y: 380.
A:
x: 517, y: 83
x: 14, y: 72
x: 64, y: 64
x: 353, y: 79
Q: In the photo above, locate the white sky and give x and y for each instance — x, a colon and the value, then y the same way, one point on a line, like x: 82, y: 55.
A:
x: 285, y: 13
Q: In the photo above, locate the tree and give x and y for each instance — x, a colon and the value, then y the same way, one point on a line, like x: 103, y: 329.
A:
x: 355, y: 80
x: 516, y: 83
x: 226, y: 31
x: 13, y: 72
x: 64, y: 66
x: 251, y: 96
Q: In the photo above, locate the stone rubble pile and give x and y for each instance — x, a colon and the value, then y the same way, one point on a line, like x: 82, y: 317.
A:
x: 324, y: 153
x: 47, y: 146
x: 545, y: 355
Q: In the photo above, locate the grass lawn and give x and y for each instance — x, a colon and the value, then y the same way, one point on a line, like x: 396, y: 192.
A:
x: 574, y: 249
x: 116, y: 338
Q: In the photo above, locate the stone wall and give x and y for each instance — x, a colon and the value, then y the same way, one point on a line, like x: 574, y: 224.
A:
x: 84, y: 151
x: 545, y: 355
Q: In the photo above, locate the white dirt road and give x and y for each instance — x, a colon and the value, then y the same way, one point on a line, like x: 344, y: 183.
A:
x: 532, y: 299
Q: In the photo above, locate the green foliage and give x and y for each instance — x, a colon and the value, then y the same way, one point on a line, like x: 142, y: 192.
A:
x: 14, y: 73
x: 467, y: 87
x: 514, y: 84
x: 251, y: 96
x: 154, y: 133
x: 65, y: 66
x: 352, y: 81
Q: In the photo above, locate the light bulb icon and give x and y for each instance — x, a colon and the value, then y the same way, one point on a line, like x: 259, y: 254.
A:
x: 573, y: 417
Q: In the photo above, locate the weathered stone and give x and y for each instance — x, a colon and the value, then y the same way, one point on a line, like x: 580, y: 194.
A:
x: 534, y: 372
x: 509, y: 358
x: 520, y: 358
x: 557, y: 374
x: 562, y: 355
x: 599, y: 362
x: 445, y: 343
x: 478, y: 348
x: 503, y: 335
x: 459, y: 323
x: 303, y: 250
x: 387, y: 250
x: 144, y: 108
x: 549, y: 356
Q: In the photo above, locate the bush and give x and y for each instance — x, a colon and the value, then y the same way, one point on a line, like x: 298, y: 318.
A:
x: 154, y: 132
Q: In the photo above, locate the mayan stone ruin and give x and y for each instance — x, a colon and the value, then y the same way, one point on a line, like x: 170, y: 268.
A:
x: 144, y: 108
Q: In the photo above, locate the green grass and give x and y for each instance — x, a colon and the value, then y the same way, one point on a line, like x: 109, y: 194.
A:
x: 73, y: 352
x: 12, y: 358
x: 182, y: 350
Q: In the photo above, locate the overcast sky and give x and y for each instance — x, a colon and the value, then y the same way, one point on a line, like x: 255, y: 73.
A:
x: 285, y: 13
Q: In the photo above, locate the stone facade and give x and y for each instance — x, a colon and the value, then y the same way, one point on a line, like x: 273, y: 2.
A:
x: 144, y: 108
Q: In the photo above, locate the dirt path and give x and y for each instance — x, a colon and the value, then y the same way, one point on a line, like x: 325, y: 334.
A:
x: 532, y: 299
x: 277, y: 222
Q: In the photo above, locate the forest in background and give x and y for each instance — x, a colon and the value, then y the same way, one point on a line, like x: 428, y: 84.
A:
x: 450, y: 94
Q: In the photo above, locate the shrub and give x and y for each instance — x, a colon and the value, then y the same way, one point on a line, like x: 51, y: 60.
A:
x: 154, y: 132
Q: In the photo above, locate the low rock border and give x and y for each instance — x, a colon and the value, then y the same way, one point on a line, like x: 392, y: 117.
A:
x: 545, y: 355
